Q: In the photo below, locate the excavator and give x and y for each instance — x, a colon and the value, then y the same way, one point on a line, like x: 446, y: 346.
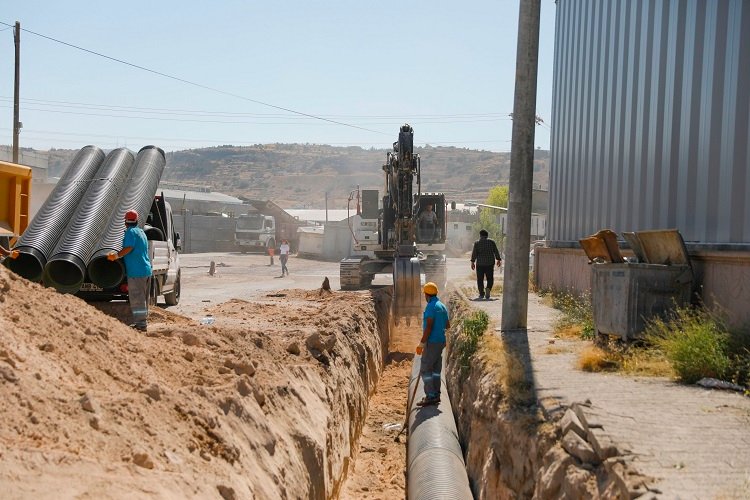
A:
x: 410, y: 239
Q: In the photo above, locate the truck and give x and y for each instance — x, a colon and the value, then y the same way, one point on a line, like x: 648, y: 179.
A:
x: 258, y: 232
x: 106, y: 280
x: 408, y: 247
x: 15, y: 197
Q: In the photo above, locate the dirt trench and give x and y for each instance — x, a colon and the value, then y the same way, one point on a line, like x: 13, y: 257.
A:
x: 268, y: 401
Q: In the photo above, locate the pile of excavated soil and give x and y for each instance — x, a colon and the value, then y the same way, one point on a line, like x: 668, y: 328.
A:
x: 266, y: 402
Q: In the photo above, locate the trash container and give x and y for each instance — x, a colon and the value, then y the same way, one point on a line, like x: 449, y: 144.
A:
x: 626, y: 295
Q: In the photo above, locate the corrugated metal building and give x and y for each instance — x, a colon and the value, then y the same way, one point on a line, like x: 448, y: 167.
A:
x: 650, y: 130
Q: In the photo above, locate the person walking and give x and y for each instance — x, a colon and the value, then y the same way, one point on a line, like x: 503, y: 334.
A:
x: 483, y: 256
x: 137, y: 269
x: 284, y: 257
x: 435, y: 322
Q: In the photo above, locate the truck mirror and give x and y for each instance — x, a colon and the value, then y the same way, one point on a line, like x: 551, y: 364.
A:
x: 177, y: 242
x: 453, y: 205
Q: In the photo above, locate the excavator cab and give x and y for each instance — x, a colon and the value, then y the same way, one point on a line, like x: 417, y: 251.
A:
x: 431, y: 220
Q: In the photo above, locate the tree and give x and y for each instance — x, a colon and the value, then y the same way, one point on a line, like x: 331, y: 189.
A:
x: 488, y: 217
x: 498, y: 196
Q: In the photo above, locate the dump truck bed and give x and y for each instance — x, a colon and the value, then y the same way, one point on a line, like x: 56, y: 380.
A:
x: 15, y: 195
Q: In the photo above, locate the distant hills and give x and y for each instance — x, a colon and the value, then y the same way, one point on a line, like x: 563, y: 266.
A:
x: 299, y: 175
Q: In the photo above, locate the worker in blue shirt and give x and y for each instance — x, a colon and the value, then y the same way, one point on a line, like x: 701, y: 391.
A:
x: 137, y: 269
x: 435, y: 322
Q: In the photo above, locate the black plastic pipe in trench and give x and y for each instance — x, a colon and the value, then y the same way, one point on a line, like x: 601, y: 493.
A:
x: 66, y: 268
x: 138, y: 195
x: 39, y: 240
x: 435, y: 465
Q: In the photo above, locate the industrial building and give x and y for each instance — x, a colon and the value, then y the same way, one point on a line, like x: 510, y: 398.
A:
x: 650, y: 130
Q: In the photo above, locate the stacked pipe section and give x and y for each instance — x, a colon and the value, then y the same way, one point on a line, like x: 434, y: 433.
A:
x: 138, y: 196
x: 66, y: 268
x: 38, y: 241
x: 435, y: 466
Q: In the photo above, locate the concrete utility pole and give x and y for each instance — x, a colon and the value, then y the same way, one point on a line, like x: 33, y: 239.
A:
x: 516, y: 282
x: 16, y: 85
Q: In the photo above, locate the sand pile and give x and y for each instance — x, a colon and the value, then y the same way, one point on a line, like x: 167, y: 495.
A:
x: 266, y: 402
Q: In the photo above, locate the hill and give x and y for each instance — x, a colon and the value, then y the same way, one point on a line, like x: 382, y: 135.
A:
x: 299, y: 175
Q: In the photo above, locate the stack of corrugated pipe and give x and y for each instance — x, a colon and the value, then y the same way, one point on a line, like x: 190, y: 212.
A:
x: 435, y: 466
x: 82, y: 218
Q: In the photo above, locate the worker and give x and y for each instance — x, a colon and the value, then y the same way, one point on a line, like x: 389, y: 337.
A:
x: 435, y: 322
x: 284, y: 257
x: 483, y: 256
x: 137, y: 269
x: 270, y: 254
x: 427, y: 223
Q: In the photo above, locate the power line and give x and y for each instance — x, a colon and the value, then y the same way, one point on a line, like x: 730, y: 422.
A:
x: 234, y: 122
x: 447, y: 118
x: 188, y: 82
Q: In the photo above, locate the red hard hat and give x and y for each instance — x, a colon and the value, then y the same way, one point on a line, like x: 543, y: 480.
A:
x: 131, y: 216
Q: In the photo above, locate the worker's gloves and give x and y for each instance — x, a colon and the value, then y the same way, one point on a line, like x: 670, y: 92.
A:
x: 112, y: 256
x: 420, y: 348
x: 472, y: 266
x: 14, y: 254
x: 499, y: 262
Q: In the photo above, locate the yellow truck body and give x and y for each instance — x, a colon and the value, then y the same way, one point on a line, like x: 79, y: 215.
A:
x: 15, y: 195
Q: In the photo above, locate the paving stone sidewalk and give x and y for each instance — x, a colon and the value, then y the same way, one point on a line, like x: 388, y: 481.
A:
x: 694, y: 441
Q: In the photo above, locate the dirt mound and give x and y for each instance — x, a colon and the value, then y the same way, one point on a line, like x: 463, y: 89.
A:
x: 266, y: 402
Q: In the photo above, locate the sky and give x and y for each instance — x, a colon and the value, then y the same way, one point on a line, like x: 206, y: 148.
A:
x: 199, y: 74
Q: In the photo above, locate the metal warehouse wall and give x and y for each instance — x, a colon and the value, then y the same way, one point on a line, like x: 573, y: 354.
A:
x: 651, y: 102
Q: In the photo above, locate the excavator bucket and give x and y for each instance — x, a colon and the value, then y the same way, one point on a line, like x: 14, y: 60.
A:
x: 407, y: 290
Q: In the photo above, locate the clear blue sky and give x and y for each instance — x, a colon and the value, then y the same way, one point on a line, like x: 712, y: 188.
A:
x: 446, y: 67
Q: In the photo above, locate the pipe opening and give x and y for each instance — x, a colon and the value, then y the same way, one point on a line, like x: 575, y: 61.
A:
x: 105, y: 273
x: 65, y: 272
x: 29, y: 264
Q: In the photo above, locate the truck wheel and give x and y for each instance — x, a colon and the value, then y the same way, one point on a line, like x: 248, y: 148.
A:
x: 173, y: 298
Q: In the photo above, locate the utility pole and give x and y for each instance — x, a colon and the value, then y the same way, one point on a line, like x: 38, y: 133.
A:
x: 516, y: 281
x: 16, y: 85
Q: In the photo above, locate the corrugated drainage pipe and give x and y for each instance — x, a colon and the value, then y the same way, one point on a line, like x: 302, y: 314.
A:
x: 435, y: 465
x: 40, y: 238
x: 66, y: 268
x: 138, y: 195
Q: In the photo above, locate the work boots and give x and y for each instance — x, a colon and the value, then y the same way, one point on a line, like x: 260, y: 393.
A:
x: 487, y: 293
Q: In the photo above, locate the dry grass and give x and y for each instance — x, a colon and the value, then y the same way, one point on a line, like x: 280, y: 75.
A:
x: 596, y: 359
x: 556, y: 350
x: 509, y: 371
x: 647, y: 363
x: 629, y: 360
x: 570, y: 332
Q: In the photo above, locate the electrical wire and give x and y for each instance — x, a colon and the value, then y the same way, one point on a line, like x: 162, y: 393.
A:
x: 198, y: 85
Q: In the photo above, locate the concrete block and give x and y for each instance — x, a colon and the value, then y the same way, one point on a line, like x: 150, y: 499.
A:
x: 602, y: 444
x: 571, y: 422
x: 579, y: 448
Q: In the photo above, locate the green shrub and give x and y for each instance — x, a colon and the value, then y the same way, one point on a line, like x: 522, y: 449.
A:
x: 577, y: 313
x: 696, y: 343
x: 472, y: 329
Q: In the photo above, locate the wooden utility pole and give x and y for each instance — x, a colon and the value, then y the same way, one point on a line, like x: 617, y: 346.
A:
x: 16, y: 86
x: 516, y: 281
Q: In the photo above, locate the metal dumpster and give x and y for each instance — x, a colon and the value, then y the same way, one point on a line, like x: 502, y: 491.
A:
x: 626, y: 295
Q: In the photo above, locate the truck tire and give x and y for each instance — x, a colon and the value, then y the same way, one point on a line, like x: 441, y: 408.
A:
x: 173, y: 298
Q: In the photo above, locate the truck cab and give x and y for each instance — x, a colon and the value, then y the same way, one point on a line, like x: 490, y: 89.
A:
x: 255, y: 232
